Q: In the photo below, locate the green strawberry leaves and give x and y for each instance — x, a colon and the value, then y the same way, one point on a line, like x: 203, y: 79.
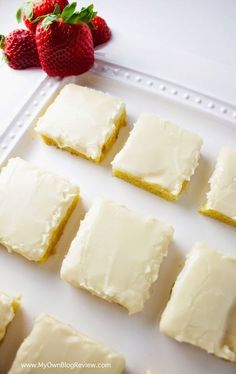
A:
x: 2, y: 41
x: 57, y: 10
x: 5, y: 58
x: 48, y: 20
x: 70, y: 15
x: 27, y: 10
x: 68, y: 11
x: 19, y: 15
x: 84, y: 16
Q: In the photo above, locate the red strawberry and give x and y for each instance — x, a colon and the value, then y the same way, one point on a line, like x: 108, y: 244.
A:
x: 101, y: 32
x: 32, y: 9
x: 19, y: 49
x: 64, y: 41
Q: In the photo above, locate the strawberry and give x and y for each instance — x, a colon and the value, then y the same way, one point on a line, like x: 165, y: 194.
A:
x: 19, y: 49
x: 101, y: 32
x: 64, y: 41
x: 32, y: 9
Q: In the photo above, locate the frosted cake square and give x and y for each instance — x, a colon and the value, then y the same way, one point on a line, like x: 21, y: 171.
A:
x: 202, y: 308
x: 116, y: 254
x: 34, y: 207
x: 54, y: 342
x: 221, y: 198
x: 8, y: 308
x: 83, y: 121
x: 158, y: 156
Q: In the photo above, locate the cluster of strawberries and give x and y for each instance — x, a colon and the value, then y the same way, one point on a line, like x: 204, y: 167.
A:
x: 58, y: 38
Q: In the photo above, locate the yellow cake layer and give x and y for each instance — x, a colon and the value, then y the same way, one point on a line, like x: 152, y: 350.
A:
x: 153, y: 188
x: 110, y: 299
x: 217, y: 215
x: 120, y: 122
x: 59, y: 230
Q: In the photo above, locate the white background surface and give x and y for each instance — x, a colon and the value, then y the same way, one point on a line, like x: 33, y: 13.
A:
x: 190, y: 42
x: 137, y: 336
x: 193, y: 43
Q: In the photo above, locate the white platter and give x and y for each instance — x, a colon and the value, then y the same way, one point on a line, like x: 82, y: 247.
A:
x: 137, y: 336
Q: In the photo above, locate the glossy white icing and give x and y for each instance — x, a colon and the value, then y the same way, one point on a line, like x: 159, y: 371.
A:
x: 202, y: 307
x: 32, y: 204
x: 116, y: 254
x: 81, y: 118
x: 54, y: 343
x: 222, y: 194
x: 159, y: 152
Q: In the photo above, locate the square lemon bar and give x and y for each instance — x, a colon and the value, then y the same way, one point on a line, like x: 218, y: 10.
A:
x: 54, y: 343
x: 116, y: 254
x: 83, y: 121
x: 8, y: 308
x: 158, y: 156
x: 221, y: 199
x: 34, y: 207
x: 202, y: 308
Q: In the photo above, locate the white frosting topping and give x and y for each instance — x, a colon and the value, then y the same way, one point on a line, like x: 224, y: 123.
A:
x: 6, y: 313
x: 54, y: 342
x: 160, y: 153
x: 149, y: 372
x: 81, y: 118
x: 116, y: 254
x: 32, y: 204
x: 222, y: 194
x: 202, y: 307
